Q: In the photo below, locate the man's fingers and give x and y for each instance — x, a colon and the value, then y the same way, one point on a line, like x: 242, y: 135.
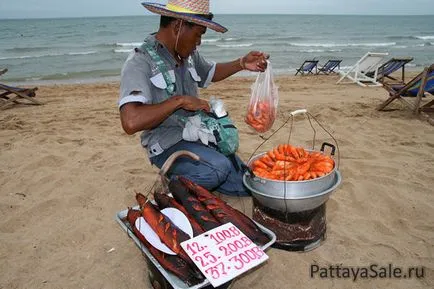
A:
x: 257, y: 60
x: 205, y: 105
x: 260, y: 53
x: 255, y: 53
x: 194, y: 104
x: 261, y: 68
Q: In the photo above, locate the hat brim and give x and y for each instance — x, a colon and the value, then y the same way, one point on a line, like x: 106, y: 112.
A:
x: 162, y: 10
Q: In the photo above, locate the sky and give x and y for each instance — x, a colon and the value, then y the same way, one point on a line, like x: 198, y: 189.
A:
x: 84, y: 8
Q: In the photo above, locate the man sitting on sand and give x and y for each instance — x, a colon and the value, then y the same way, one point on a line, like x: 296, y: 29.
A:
x: 159, y: 85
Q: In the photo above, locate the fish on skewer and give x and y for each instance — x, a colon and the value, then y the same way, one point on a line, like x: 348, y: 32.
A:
x: 172, y: 263
x: 165, y: 201
x: 168, y: 233
x: 192, y: 205
x: 225, y: 213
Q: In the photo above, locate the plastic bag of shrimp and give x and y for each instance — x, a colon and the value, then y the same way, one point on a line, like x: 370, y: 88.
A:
x: 264, y: 99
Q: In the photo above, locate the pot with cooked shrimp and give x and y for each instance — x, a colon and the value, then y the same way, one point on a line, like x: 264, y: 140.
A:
x: 288, y: 175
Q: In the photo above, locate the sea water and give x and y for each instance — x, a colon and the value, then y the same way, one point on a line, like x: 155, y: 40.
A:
x: 94, y: 49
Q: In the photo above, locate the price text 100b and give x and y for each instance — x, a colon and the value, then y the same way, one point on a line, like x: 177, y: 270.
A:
x: 223, y: 235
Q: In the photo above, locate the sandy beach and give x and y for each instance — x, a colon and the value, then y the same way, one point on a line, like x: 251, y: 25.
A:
x: 67, y: 168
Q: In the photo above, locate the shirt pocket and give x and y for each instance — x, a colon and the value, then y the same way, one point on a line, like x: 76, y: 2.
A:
x: 159, y: 81
x: 159, y: 89
x: 194, y: 74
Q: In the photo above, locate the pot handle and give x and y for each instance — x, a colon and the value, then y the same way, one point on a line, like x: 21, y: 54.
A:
x: 329, y: 145
x: 249, y: 170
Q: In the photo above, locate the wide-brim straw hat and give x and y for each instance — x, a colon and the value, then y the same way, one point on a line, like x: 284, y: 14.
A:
x: 188, y: 10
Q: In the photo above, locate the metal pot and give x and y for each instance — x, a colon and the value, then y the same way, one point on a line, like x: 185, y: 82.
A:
x: 295, y: 202
x: 288, y: 189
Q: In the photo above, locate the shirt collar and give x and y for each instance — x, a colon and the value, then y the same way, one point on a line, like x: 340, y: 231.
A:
x: 161, y: 48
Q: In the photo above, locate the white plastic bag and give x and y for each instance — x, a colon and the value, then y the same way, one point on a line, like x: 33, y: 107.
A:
x: 195, y: 130
x: 264, y: 99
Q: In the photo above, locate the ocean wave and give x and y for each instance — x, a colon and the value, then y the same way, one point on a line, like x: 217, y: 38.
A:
x: 234, y: 45
x: 132, y: 44
x: 105, y: 45
x: 380, y: 44
x: 346, y: 67
x: 211, y: 40
x: 49, y: 55
x: 286, y: 38
x: 425, y: 44
x: 412, y: 37
x: 82, y: 53
x: 402, y: 37
x: 425, y: 37
x: 27, y: 49
x: 320, y: 50
x: 122, y: 50
x: 312, y: 50
x: 231, y: 39
x: 214, y: 40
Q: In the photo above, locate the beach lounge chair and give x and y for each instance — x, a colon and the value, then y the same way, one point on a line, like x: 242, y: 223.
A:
x: 357, y: 73
x: 10, y: 94
x: 420, y: 86
x: 307, y: 67
x: 386, y: 69
x: 330, y: 66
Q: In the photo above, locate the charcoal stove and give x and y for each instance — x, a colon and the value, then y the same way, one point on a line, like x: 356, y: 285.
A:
x: 300, y: 231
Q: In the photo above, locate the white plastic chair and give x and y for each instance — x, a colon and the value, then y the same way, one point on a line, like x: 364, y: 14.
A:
x: 357, y: 73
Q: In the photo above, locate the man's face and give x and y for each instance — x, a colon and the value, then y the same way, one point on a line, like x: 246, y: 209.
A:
x: 189, y: 38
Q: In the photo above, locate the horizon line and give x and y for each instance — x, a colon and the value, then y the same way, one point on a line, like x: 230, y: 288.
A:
x: 261, y: 14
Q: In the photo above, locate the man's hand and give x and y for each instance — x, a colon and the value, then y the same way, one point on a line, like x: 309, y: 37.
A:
x: 136, y: 116
x: 194, y: 103
x: 255, y: 61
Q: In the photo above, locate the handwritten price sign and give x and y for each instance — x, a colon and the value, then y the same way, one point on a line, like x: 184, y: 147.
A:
x: 223, y: 253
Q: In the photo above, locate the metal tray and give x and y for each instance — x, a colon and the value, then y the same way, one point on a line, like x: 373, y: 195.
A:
x: 171, y: 278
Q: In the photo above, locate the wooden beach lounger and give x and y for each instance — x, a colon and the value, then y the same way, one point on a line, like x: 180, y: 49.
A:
x: 358, y: 72
x: 10, y: 94
x: 420, y: 86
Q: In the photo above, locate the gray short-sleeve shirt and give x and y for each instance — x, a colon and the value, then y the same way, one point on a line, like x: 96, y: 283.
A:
x: 143, y: 82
